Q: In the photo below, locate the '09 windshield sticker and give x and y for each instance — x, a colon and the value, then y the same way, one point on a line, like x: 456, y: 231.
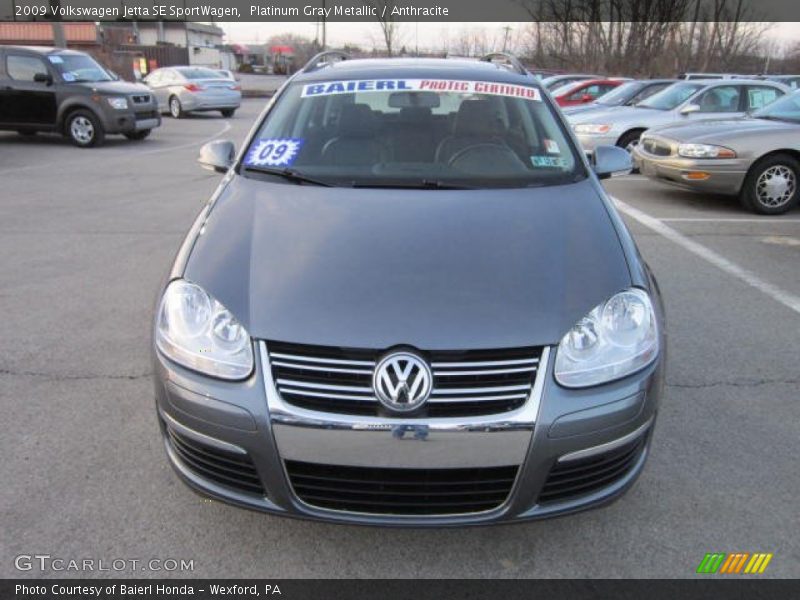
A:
x: 67, y: 76
x: 331, y: 88
x: 273, y: 152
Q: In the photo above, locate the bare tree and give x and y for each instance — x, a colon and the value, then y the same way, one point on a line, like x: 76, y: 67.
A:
x: 391, y: 30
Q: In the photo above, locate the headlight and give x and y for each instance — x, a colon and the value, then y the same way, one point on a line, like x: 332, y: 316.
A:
x: 118, y: 103
x: 615, y: 339
x: 705, y: 151
x: 592, y: 128
x: 196, y: 331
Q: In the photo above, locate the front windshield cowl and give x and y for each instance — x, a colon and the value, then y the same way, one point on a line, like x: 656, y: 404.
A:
x: 432, y: 134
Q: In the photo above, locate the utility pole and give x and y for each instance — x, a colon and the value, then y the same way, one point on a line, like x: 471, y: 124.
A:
x: 324, y: 28
x: 59, y: 39
x: 507, y: 30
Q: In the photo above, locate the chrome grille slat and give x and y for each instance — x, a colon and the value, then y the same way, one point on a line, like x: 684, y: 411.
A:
x: 465, y: 382
x: 483, y: 363
x: 485, y: 372
x: 315, y: 359
x: 280, y: 363
x: 322, y: 386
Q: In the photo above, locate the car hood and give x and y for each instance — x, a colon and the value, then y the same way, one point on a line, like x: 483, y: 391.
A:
x: 621, y: 116
x: 723, y: 129
x: 433, y: 269
x: 118, y: 87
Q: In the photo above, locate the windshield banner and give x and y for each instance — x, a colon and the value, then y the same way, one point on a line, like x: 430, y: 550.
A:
x: 330, y: 88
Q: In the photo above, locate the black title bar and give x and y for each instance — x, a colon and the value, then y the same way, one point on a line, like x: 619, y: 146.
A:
x: 399, y: 10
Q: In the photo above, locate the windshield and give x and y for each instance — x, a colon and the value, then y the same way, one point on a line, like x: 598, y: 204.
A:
x: 76, y: 68
x: 562, y: 89
x: 200, y: 73
x: 672, y: 96
x: 621, y: 94
x: 785, y: 109
x: 415, y: 133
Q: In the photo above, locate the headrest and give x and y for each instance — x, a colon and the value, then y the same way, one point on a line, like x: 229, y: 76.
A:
x: 477, y: 117
x: 356, y: 120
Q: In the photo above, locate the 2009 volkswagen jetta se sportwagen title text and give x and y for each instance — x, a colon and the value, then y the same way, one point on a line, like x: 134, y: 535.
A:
x: 409, y: 302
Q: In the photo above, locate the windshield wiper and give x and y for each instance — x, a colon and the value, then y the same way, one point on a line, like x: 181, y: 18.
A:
x: 289, y: 174
x: 425, y: 184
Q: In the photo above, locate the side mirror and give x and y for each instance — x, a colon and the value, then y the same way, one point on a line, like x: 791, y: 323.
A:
x: 43, y: 78
x: 611, y: 161
x: 587, y: 98
x: 689, y: 109
x: 217, y: 155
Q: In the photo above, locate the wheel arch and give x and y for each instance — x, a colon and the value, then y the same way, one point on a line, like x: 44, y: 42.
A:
x: 630, y: 130
x: 794, y: 153
x: 70, y: 107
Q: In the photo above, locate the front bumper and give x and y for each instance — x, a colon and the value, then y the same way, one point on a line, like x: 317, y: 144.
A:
x: 554, y: 432
x: 720, y: 176
x: 130, y: 121
x: 590, y: 142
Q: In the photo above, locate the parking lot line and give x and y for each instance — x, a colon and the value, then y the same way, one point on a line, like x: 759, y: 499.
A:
x: 124, y: 153
x: 762, y: 220
x: 657, y: 225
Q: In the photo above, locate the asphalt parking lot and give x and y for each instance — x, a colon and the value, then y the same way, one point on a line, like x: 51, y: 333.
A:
x: 86, y: 236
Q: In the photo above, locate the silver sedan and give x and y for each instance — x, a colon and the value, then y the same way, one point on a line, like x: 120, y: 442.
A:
x: 685, y: 102
x: 180, y: 90
x: 756, y: 157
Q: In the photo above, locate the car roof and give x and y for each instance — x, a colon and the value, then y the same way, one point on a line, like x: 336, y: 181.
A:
x: 415, y: 68
x: 43, y: 50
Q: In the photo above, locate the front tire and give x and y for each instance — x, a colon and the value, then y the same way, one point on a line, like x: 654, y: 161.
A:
x: 629, y: 140
x: 772, y: 186
x: 176, y: 108
x: 84, y: 129
x: 138, y: 135
x: 228, y: 112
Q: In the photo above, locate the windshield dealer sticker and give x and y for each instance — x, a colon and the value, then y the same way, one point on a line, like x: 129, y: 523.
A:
x: 330, y: 88
x: 56, y: 60
x: 273, y: 152
x: 67, y: 76
x: 547, y: 161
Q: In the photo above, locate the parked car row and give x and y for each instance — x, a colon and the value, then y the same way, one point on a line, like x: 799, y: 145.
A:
x: 65, y: 91
x: 723, y: 134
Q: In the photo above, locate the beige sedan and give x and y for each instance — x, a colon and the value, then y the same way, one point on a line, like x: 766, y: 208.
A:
x: 755, y: 157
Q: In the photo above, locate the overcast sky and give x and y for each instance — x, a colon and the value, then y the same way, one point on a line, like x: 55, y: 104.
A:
x: 433, y: 36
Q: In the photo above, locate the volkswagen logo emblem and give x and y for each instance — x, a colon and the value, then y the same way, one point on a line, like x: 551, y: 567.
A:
x: 402, y: 381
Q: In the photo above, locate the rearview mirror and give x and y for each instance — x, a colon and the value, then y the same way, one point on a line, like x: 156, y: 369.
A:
x: 689, y: 109
x: 43, y: 78
x: 217, y: 155
x: 611, y: 161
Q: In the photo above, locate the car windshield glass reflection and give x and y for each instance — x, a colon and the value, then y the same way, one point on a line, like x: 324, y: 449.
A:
x: 671, y: 97
x: 785, y: 109
x: 426, y: 134
x: 79, y: 68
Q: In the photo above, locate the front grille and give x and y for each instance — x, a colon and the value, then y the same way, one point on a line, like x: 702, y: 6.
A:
x: 140, y: 115
x: 576, y: 478
x: 401, y: 491
x: 465, y: 383
x: 657, y: 147
x: 141, y: 99
x: 225, y: 468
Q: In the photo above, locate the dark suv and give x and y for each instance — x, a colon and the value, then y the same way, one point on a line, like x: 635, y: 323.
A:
x: 53, y: 89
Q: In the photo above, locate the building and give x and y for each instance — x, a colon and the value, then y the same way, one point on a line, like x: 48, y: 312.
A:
x: 202, y: 41
x: 83, y: 36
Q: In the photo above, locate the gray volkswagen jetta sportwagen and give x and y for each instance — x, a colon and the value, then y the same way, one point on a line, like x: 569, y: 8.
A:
x: 409, y: 302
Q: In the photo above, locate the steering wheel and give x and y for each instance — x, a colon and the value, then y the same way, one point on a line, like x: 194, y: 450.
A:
x: 492, y: 153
